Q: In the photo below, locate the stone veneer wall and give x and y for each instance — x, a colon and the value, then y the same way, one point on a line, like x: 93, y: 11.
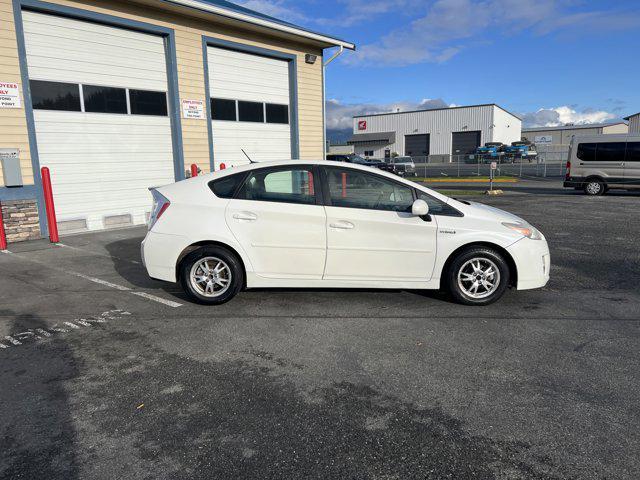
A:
x: 20, y: 220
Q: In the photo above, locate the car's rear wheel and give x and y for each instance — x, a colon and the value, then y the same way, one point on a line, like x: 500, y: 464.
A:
x: 478, y: 276
x: 594, y: 187
x: 211, y: 275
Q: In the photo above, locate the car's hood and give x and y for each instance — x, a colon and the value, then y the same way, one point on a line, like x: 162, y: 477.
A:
x: 495, y: 213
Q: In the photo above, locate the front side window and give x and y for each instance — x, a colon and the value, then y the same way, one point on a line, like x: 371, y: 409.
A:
x: 147, y: 102
x: 633, y: 152
x: 587, y: 152
x: 55, y: 96
x: 288, y: 185
x: 355, y: 189
x: 104, y: 99
x: 250, y: 111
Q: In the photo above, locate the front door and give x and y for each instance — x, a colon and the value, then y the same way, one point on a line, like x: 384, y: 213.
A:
x: 632, y: 164
x: 371, y: 233
x: 279, y: 223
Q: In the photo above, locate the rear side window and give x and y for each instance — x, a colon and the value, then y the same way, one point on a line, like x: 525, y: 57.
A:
x: 633, y: 152
x: 288, y: 185
x: 227, y: 186
x: 55, y: 95
x: 587, y: 152
x: 610, y: 152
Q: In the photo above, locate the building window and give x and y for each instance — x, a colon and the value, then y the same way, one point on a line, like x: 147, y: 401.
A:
x: 250, y: 111
x: 277, y: 113
x: 222, y: 109
x: 146, y: 102
x: 55, y: 96
x: 368, y: 153
x: 104, y: 99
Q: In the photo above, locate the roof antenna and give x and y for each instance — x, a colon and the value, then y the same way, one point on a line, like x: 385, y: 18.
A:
x: 248, y: 158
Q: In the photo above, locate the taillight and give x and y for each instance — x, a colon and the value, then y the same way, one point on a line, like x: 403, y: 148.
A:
x: 568, y: 174
x: 160, y: 205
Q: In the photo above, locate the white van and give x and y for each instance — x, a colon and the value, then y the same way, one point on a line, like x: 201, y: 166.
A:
x: 599, y: 162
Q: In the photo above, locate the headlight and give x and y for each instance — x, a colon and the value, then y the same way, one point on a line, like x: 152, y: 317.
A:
x: 524, y: 229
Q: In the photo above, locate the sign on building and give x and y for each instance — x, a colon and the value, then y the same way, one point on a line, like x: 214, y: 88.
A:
x: 10, y: 95
x: 362, y: 124
x: 193, y: 109
x: 543, y: 139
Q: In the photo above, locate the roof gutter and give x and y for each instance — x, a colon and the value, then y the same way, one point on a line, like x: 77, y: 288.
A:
x: 263, y: 22
x: 324, y: 100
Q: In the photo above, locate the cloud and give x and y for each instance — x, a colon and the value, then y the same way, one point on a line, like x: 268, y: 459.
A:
x: 340, y: 115
x: 553, y: 117
x: 447, y: 26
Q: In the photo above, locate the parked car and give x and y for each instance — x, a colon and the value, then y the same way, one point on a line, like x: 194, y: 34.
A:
x: 358, y: 160
x: 318, y: 224
x: 403, y: 166
x: 598, y: 163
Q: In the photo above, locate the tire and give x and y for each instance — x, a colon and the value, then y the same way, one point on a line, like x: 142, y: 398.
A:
x: 460, y: 281
x: 222, y: 265
x: 594, y: 187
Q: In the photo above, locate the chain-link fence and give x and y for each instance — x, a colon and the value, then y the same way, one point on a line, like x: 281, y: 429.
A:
x: 544, y: 164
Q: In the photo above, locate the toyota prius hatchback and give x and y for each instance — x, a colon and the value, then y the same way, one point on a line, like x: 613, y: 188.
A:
x: 320, y: 224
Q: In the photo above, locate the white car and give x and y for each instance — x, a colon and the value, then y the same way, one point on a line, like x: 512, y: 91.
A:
x: 321, y: 224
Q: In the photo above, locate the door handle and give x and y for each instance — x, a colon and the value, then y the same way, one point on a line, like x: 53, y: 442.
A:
x: 342, y: 225
x: 249, y: 216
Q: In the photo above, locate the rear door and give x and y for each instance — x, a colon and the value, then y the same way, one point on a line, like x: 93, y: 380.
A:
x: 371, y: 233
x: 280, y: 223
x: 632, y: 164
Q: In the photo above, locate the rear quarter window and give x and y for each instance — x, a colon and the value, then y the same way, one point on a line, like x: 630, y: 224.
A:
x: 226, y: 187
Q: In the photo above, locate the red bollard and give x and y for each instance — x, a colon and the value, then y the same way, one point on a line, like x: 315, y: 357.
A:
x: 222, y: 166
x: 3, y: 235
x: 194, y: 170
x: 310, y: 180
x: 344, y: 185
x: 50, y: 207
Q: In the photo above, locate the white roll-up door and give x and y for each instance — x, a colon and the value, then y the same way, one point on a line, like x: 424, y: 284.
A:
x: 249, y: 80
x: 101, y: 118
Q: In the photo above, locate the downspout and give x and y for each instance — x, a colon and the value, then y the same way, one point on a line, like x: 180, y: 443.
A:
x: 324, y: 101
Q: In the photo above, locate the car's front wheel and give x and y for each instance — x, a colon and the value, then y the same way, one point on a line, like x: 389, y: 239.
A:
x: 211, y: 275
x: 478, y: 276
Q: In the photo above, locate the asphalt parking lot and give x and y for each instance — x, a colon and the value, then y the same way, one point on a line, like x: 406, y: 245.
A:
x: 107, y: 374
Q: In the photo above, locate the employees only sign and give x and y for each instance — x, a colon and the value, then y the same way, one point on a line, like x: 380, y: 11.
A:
x: 9, y: 95
x: 193, y: 109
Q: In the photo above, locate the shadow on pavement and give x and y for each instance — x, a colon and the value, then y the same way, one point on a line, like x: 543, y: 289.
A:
x: 37, y: 434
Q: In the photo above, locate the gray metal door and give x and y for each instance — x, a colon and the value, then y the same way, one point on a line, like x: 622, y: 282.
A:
x: 416, y: 145
x: 465, y: 142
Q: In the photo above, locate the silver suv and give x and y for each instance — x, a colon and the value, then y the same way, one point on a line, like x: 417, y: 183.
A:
x: 598, y: 163
x: 403, y: 166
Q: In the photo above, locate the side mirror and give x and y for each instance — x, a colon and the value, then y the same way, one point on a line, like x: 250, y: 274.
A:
x: 420, y: 208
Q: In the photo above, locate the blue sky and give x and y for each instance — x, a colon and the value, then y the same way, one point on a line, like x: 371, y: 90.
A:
x: 550, y: 61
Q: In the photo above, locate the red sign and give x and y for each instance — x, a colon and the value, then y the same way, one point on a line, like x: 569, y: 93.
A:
x: 362, y: 125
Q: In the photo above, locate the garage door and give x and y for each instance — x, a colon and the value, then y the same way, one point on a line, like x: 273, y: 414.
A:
x: 465, y: 142
x: 101, y: 117
x: 249, y: 107
x: 416, y: 145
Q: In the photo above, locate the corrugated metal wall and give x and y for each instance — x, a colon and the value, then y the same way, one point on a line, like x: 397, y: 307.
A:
x: 634, y: 125
x: 439, y: 124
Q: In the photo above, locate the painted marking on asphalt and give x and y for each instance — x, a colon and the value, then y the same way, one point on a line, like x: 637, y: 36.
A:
x: 99, y: 281
x: 34, y: 335
x: 148, y: 296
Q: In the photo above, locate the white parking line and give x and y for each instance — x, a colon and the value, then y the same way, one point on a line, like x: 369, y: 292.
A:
x: 99, y: 281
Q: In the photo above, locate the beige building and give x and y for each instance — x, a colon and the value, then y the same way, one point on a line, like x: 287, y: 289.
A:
x: 561, y: 136
x: 634, y: 123
x: 115, y: 97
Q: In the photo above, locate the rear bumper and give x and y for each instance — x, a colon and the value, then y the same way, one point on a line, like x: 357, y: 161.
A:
x: 160, y: 253
x: 533, y: 262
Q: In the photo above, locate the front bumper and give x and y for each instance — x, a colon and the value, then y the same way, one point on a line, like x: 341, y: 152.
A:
x: 533, y: 262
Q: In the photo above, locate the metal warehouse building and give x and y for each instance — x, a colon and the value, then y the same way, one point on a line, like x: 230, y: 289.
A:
x: 118, y: 96
x: 439, y: 133
x: 634, y: 123
x: 549, y: 136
